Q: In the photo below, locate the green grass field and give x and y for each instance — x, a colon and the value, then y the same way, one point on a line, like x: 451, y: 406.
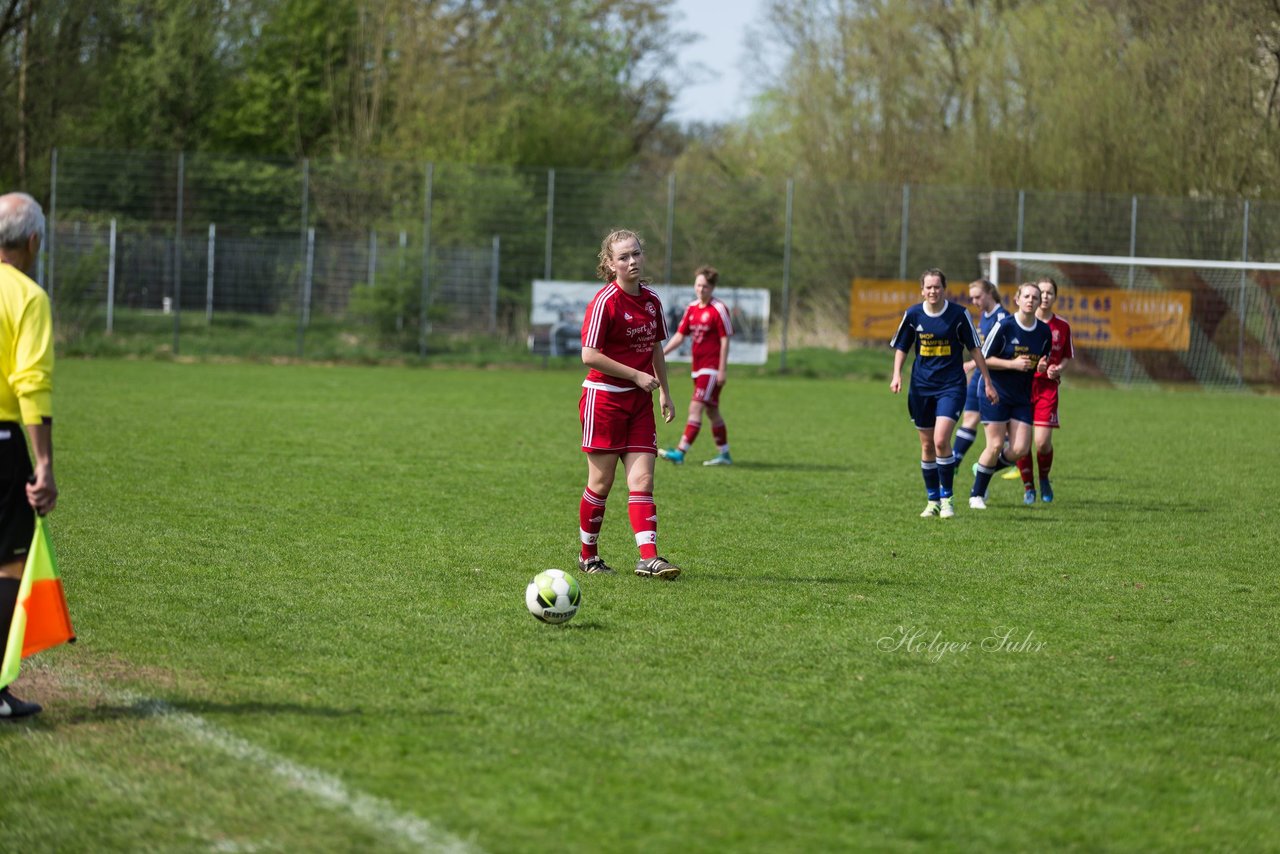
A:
x: 299, y: 595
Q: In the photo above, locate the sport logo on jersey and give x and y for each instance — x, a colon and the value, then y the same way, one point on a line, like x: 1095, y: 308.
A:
x: 626, y: 315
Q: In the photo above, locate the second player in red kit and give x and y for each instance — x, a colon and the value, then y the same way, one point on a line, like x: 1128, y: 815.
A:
x: 707, y: 324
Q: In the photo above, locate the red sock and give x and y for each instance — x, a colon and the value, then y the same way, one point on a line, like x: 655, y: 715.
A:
x: 1024, y: 469
x: 690, y: 433
x: 644, y: 521
x: 590, y: 518
x: 721, y: 433
x: 1045, y: 461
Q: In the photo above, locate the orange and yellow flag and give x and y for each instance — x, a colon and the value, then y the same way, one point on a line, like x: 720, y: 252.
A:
x: 40, y: 617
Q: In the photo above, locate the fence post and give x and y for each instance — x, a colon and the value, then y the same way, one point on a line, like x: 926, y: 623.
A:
x: 1133, y: 253
x: 1022, y: 210
x: 372, y: 276
x: 1244, y: 281
x: 399, y: 283
x: 305, y: 212
x: 906, y: 219
x: 177, y: 257
x: 671, y: 222
x: 551, y: 210
x: 111, y: 277
x: 786, y: 275
x: 208, y: 275
x: 493, y: 285
x: 309, y: 266
x: 53, y: 218
x: 423, y: 321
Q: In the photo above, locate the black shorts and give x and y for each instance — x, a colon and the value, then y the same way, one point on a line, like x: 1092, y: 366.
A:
x: 17, y: 519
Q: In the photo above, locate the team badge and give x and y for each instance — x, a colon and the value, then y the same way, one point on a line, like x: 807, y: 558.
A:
x: 652, y: 309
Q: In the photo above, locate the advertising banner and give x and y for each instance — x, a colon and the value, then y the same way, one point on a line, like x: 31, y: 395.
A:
x: 1104, y: 318
x: 555, y: 318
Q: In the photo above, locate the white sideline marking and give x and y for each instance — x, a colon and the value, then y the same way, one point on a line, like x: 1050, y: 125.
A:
x: 329, y: 790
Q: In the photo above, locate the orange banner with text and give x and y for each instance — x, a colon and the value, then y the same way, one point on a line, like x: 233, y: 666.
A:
x: 1100, y: 318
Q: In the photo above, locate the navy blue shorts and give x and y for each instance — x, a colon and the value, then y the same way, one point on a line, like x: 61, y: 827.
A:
x: 928, y: 407
x: 973, y: 392
x: 995, y: 413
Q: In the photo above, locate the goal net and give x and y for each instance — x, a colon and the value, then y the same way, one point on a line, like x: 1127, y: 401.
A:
x: 1159, y: 320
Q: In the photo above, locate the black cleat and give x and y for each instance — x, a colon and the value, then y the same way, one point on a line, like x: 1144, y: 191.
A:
x: 12, y: 707
x: 658, y: 567
x: 594, y: 566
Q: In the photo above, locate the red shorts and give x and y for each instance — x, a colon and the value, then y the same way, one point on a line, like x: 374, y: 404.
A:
x: 1044, y: 402
x: 706, y: 390
x: 618, y: 422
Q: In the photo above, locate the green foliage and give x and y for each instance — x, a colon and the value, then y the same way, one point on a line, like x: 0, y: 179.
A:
x: 1174, y: 97
x: 79, y: 302
x: 292, y: 88
x: 342, y: 595
x: 392, y: 308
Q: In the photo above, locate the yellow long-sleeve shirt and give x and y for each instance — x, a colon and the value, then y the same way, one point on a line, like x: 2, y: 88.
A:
x: 26, y: 349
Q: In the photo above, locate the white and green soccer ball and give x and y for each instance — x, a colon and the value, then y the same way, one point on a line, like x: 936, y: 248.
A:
x: 553, y: 596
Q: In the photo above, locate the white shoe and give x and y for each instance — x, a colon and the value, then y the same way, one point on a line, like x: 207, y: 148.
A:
x: 930, y: 509
x: 977, y: 502
x: 946, y: 509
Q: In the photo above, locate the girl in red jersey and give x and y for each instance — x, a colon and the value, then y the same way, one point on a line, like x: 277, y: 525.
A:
x: 622, y: 335
x: 706, y: 321
x: 1044, y: 395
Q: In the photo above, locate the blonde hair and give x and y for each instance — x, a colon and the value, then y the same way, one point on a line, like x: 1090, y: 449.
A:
x: 988, y: 286
x: 603, y: 270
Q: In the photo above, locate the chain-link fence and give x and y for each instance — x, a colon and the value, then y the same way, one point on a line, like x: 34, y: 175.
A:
x: 339, y: 258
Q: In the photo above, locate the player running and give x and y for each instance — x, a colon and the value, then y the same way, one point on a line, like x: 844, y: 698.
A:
x: 939, y: 330
x: 621, y: 334
x: 986, y: 296
x: 706, y: 321
x: 1014, y: 349
x: 1044, y: 395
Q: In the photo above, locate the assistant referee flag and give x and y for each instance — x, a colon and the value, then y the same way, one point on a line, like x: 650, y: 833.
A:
x: 40, y: 617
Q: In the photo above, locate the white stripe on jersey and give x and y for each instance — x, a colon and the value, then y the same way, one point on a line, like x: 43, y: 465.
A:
x: 974, y: 330
x: 592, y: 332
x: 902, y: 324
x: 724, y: 315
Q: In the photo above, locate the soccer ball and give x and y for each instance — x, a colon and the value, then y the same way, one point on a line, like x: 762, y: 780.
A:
x: 553, y: 596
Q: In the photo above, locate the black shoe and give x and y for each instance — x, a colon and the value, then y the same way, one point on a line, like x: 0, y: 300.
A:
x: 658, y: 567
x: 594, y: 566
x: 12, y: 707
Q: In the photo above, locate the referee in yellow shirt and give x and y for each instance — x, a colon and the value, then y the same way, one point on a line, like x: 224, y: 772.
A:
x: 26, y: 399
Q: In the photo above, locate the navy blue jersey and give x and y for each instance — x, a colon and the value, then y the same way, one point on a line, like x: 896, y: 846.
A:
x: 987, y: 322
x: 939, y: 343
x: 1009, y: 340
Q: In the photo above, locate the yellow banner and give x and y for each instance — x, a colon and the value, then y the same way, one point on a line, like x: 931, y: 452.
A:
x: 1115, y: 319
x: 1100, y: 318
x: 876, y: 306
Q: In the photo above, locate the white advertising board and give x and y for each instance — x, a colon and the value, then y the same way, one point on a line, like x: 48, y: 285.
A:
x: 555, y: 318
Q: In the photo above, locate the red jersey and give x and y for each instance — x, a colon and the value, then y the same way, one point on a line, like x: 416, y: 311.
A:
x: 1060, y: 349
x: 626, y: 329
x: 705, y: 326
